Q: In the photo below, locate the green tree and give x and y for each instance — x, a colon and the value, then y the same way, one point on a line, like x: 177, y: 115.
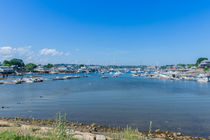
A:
x: 200, y: 60
x: 17, y: 62
x: 205, y: 69
x: 190, y: 65
x: 30, y: 66
x: 6, y: 63
x: 81, y: 65
x: 181, y: 65
x: 48, y: 66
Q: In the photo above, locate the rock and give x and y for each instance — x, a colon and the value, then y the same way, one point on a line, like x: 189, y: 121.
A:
x: 175, y: 134
x: 45, y: 129
x: 80, y: 137
x: 93, y: 125
x: 157, y: 130
x: 159, y: 136
x: 89, y: 137
x: 94, y: 129
x: 100, y: 137
x: 163, y: 135
x: 187, y: 137
x: 179, y: 134
x: 25, y: 127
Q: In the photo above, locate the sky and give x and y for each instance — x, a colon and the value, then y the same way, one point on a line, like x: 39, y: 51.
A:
x: 106, y: 32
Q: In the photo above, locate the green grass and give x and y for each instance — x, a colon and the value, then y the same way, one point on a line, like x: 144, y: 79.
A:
x: 130, y: 134
x: 133, y: 134
x: 14, y: 136
x: 60, y: 132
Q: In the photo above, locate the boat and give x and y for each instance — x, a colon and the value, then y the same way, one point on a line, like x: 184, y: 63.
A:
x: 17, y: 81
x: 53, y: 72
x: 133, y: 72
x: 59, y: 78
x: 38, y: 80
x: 202, y: 79
x: 68, y: 77
x: 117, y: 73
x: 163, y: 76
x: 135, y: 75
x: 28, y: 80
x: 104, y: 77
x: 29, y: 73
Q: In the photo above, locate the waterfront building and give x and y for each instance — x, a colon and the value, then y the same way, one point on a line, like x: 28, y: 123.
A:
x: 41, y: 69
x: 204, y: 63
x: 6, y: 69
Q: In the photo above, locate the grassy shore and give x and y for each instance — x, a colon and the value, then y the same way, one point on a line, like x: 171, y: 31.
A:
x: 34, y: 129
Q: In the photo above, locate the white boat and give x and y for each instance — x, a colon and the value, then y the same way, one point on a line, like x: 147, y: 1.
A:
x: 53, y: 72
x: 135, y: 75
x: 17, y: 81
x: 117, y: 73
x: 30, y: 72
x: 59, y: 78
x: 202, y: 80
x: 28, y: 80
x: 133, y: 72
x: 68, y: 77
x: 163, y: 76
x: 38, y: 80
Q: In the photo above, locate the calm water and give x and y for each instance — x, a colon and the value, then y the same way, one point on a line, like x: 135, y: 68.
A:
x: 171, y: 105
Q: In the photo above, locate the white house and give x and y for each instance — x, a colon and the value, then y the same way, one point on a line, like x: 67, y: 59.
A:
x: 204, y: 63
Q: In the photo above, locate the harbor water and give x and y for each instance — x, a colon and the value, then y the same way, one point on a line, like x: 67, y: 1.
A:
x: 180, y: 106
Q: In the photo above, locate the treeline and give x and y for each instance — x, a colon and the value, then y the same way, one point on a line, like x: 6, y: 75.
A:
x: 19, y: 63
x: 199, y: 60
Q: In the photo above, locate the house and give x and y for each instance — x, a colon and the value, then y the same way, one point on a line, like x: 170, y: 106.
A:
x: 6, y: 69
x: 204, y: 63
x: 61, y: 69
x: 41, y: 69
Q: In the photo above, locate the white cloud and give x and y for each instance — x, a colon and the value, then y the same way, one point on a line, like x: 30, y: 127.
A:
x: 52, y: 52
x: 6, y: 50
x: 27, y: 53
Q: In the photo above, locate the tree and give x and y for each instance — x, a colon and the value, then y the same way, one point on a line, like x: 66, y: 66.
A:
x: 181, y: 65
x: 17, y: 62
x: 81, y: 65
x: 48, y: 66
x: 205, y: 69
x: 200, y: 60
x: 30, y: 66
x: 6, y: 63
x: 190, y: 65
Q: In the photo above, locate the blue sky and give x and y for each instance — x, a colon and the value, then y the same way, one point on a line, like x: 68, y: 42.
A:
x: 151, y: 32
